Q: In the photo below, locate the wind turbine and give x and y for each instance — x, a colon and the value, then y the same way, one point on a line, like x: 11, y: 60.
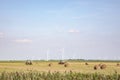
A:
x: 63, y: 50
x: 47, y: 55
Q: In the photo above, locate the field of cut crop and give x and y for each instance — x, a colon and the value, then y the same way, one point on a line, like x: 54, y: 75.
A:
x: 73, y: 70
x: 42, y: 66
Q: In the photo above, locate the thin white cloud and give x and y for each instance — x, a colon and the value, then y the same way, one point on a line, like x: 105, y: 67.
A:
x: 52, y: 11
x: 1, y: 34
x: 73, y: 31
x: 76, y: 17
x: 23, y: 41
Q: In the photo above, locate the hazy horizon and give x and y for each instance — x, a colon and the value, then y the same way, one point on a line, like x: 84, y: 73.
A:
x: 86, y: 29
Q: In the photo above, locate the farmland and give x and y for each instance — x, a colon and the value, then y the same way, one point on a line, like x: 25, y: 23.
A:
x: 74, y: 67
x: 42, y: 66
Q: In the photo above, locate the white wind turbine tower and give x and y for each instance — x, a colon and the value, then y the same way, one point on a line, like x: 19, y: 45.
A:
x: 63, y: 50
x: 47, y: 55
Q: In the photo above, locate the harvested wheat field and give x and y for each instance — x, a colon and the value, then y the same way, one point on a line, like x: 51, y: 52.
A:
x: 42, y: 66
x: 52, y: 70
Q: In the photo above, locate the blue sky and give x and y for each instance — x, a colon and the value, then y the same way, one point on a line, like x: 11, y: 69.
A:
x: 86, y: 29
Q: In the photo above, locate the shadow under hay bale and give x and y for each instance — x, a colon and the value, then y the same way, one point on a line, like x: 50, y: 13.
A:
x: 103, y: 66
x: 28, y: 62
x: 96, y: 67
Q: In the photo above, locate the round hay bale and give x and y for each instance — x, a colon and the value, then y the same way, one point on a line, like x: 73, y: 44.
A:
x: 86, y: 63
x: 66, y: 65
x: 118, y: 64
x: 28, y: 62
x: 61, y: 62
x: 50, y: 64
x: 96, y: 67
x: 103, y: 66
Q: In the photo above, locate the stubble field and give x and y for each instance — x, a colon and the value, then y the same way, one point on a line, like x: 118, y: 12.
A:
x: 42, y: 66
x: 51, y: 70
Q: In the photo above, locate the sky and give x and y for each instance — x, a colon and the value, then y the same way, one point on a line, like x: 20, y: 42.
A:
x: 59, y: 29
